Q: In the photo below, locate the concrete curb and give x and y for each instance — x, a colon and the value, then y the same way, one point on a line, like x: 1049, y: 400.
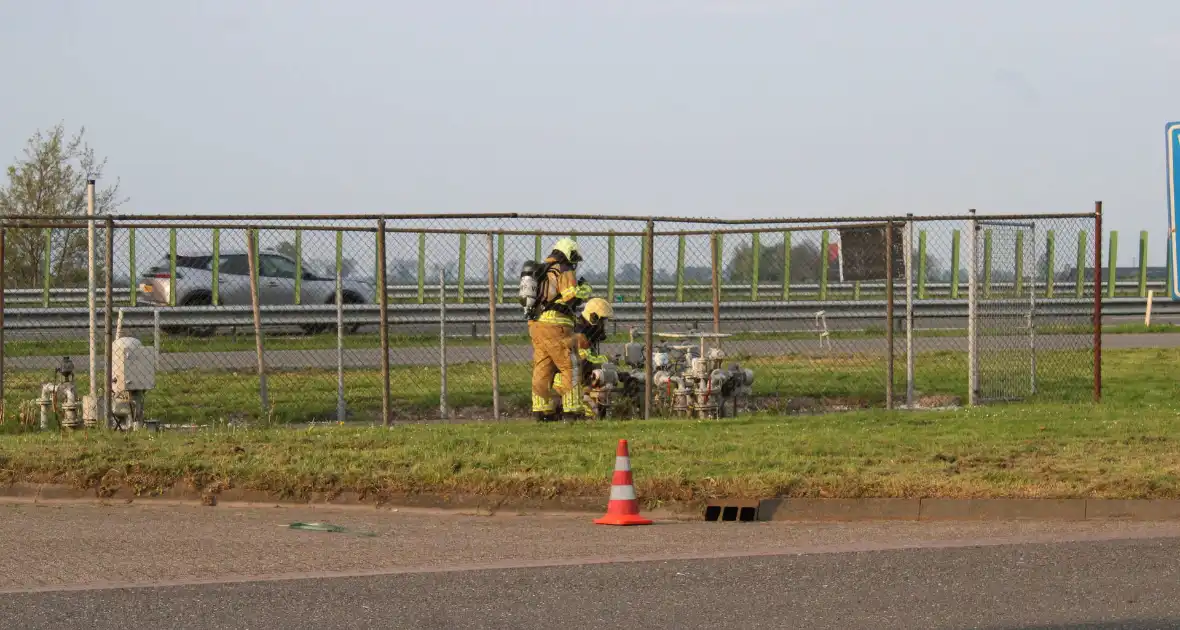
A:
x: 933, y: 509
x: 48, y: 494
x: 811, y: 510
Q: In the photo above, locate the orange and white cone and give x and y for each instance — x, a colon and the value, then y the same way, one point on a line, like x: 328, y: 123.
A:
x: 623, y: 508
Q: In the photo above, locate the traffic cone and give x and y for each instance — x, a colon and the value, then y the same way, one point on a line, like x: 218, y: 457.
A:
x: 623, y: 508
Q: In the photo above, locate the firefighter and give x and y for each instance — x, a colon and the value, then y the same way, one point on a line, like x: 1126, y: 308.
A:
x: 560, y: 294
x: 589, y: 331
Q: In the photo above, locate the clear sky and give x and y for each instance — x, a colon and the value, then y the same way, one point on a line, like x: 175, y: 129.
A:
x: 691, y: 107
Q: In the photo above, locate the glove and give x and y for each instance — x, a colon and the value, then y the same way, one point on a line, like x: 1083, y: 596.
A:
x: 583, y: 291
x: 597, y: 359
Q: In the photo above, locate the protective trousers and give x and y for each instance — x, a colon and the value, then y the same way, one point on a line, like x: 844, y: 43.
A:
x: 552, y: 355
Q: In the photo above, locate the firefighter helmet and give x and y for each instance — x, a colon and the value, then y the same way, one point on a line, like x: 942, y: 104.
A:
x: 568, y: 247
x: 596, y: 310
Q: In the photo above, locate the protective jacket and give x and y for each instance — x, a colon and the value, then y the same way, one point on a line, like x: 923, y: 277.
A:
x: 560, y: 294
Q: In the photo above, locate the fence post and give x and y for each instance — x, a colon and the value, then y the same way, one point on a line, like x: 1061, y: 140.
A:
x: 1019, y: 266
x: 921, y: 264
x: 648, y: 315
x: 1080, y: 282
x: 786, y: 266
x: 341, y: 407
x: 91, y: 292
x: 46, y: 279
x: 973, y: 303
x: 908, y: 248
x: 442, y: 343
x: 383, y: 307
x: 133, y: 293
x: 680, y: 268
x: 495, y: 350
x: 643, y: 268
x: 1143, y: 264
x: 216, y: 281
x: 108, y: 316
x: 3, y: 288
x: 461, y: 281
x: 715, y: 242
x: 610, y: 266
x: 955, y: 262
x: 1050, y: 263
x: 252, y: 259
x: 538, y: 253
x: 298, y: 267
x: 1098, y: 295
x: 756, y: 252
x: 823, y: 266
x: 889, y: 351
x: 720, y: 263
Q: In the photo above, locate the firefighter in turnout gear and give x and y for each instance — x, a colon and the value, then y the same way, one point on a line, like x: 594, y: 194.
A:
x: 559, y: 296
x: 589, y: 332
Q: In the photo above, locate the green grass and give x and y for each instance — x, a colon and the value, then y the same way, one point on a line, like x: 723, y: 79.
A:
x: 1032, y: 451
x: 1127, y: 447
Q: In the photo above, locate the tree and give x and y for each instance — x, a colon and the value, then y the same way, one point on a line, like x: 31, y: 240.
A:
x: 805, y: 263
x: 49, y: 180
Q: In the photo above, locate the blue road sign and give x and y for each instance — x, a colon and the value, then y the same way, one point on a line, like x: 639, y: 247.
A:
x: 1173, y: 135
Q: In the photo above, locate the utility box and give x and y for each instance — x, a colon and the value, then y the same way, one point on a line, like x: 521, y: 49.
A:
x: 133, y: 365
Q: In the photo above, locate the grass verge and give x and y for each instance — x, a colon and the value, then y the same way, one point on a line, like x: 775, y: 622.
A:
x: 1033, y: 451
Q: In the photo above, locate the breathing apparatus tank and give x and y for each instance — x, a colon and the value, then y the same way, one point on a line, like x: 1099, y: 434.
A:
x: 530, y: 286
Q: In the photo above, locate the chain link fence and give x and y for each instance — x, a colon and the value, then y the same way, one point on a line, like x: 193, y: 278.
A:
x: 279, y: 319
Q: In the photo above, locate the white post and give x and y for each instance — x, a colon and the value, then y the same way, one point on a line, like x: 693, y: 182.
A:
x: 442, y: 343
x: 92, y: 289
x: 1147, y: 315
x: 908, y: 247
x: 972, y: 308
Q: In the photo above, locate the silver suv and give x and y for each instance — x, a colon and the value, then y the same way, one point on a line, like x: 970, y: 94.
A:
x: 276, y: 284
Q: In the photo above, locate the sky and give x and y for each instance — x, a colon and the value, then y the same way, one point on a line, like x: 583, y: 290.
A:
x: 746, y: 108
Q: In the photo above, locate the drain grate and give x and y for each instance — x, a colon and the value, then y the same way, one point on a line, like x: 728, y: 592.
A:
x: 732, y: 512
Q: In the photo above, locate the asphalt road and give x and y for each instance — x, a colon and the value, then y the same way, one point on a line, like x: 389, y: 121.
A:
x: 130, y: 567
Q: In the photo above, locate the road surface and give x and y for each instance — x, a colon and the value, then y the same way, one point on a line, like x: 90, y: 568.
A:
x: 83, y: 566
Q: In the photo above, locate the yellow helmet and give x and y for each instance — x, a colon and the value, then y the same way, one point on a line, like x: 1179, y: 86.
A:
x: 596, y: 310
x: 568, y: 248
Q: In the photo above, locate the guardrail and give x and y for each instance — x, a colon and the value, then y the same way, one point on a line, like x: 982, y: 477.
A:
x: 806, y: 292
x: 402, y: 314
